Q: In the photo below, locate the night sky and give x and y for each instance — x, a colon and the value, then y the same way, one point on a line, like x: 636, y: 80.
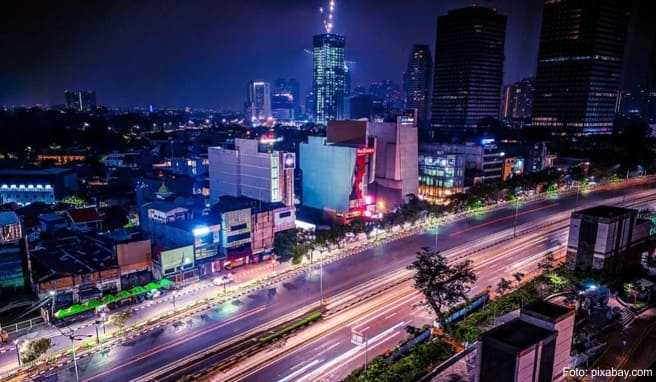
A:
x: 201, y: 53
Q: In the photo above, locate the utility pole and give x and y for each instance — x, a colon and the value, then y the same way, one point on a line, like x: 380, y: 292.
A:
x: 71, y: 336
x: 321, y: 278
x: 515, y: 218
x: 366, y: 349
x: 437, y: 231
x: 52, y: 305
x: 20, y: 363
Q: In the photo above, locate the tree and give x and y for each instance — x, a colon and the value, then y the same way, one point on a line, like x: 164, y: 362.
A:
x: 285, y: 243
x: 518, y: 277
x: 630, y: 290
x: 120, y: 319
x: 33, y: 349
x: 503, y: 286
x: 442, y: 284
x: 75, y: 201
x: 547, y: 263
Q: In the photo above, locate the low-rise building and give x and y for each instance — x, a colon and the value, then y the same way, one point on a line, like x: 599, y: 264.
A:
x: 76, y: 266
x: 60, y: 157
x: 441, y: 174
x: 25, y: 186
x: 85, y: 219
x: 79, y: 266
x: 12, y: 252
x: 512, y: 167
x: 535, y: 347
x: 606, y: 238
x: 164, y: 212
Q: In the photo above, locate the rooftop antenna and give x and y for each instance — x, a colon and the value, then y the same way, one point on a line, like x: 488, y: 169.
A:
x: 328, y: 15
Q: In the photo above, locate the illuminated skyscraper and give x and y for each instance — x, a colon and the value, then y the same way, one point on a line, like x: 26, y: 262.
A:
x: 468, y: 70
x: 579, y: 66
x: 328, y: 77
x: 258, y: 101
x: 416, y: 82
x: 517, y: 102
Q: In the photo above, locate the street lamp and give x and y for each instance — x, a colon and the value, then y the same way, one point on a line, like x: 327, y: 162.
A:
x: 321, y: 278
x: 103, y: 318
x: 20, y: 363
x: 515, y: 217
x: 72, y: 337
x: 52, y: 304
x: 437, y: 230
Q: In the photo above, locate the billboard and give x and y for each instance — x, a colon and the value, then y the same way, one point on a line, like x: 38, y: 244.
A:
x: 289, y: 161
x: 173, y: 259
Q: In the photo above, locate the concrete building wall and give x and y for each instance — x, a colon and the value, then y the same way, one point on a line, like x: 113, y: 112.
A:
x: 245, y: 171
x: 564, y: 329
x: 327, y: 174
x: 224, y: 172
x: 528, y: 361
x: 396, y: 157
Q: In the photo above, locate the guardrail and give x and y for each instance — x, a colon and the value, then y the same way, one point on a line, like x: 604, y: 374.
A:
x: 20, y: 326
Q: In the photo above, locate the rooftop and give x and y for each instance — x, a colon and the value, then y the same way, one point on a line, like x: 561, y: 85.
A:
x: 8, y: 217
x: 72, y: 254
x: 518, y: 334
x: 229, y: 203
x: 607, y: 212
x: 547, y: 310
x: 165, y: 206
x: 84, y: 215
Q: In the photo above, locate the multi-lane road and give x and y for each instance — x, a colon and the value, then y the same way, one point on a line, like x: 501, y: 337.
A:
x: 486, y: 239
x: 331, y: 356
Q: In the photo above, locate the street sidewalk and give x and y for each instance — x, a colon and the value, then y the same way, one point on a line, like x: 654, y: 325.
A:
x: 143, y: 311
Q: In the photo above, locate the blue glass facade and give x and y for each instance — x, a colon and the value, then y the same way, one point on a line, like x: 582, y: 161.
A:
x: 327, y: 174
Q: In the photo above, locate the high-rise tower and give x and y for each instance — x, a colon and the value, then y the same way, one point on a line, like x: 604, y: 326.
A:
x: 468, y: 70
x: 258, y: 101
x: 416, y: 82
x: 328, y: 74
x: 579, y: 66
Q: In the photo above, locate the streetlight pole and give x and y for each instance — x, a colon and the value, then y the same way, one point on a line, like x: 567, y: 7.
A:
x: 52, y: 305
x: 437, y: 231
x: 77, y: 374
x: 20, y: 363
x: 321, y: 278
x: 515, y: 217
x: 366, y: 349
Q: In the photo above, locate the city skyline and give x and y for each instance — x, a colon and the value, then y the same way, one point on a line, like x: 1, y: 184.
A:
x: 328, y: 190
x: 167, y: 61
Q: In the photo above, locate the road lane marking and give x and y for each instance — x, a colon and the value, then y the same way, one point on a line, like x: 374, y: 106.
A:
x: 413, y: 295
x: 300, y: 371
x: 500, y: 219
x: 350, y: 353
x: 329, y: 348
x: 170, y: 344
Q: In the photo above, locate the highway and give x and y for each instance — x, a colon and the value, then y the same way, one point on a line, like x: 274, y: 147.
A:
x: 165, y: 346
x: 331, y: 356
